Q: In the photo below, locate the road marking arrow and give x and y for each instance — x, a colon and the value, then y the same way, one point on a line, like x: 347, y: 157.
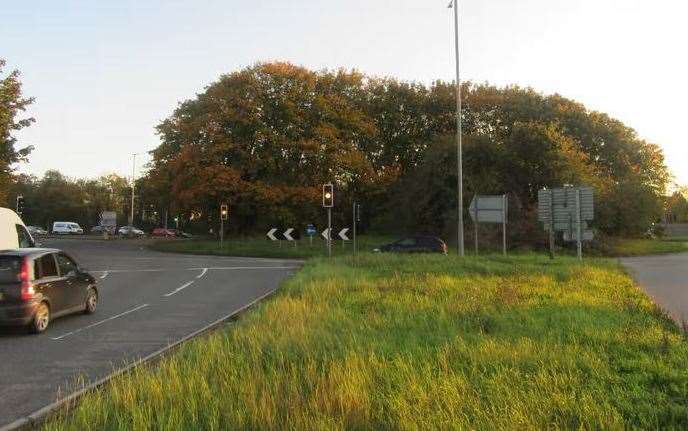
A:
x: 342, y: 234
x: 271, y: 234
x: 287, y: 234
x: 326, y: 234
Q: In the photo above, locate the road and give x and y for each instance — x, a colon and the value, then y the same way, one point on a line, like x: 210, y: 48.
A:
x: 665, y: 279
x: 148, y: 300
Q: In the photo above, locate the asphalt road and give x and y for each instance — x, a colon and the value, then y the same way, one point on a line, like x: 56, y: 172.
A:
x: 665, y: 279
x: 148, y: 300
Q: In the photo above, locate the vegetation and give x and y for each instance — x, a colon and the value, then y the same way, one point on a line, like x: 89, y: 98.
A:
x: 677, y: 206
x: 644, y: 247
x: 265, y: 138
x: 262, y: 247
x: 420, y: 342
x: 12, y: 103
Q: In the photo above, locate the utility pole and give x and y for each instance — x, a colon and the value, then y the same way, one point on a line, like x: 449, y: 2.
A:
x: 133, y: 185
x: 459, y: 156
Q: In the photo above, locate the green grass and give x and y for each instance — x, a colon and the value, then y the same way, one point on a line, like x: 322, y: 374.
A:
x: 420, y: 342
x: 642, y: 247
x: 262, y: 247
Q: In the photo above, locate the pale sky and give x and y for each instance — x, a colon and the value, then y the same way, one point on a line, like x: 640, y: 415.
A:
x: 105, y: 73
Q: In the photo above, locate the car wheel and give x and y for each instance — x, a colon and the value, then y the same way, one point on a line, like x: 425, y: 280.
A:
x: 41, y: 319
x: 91, y: 301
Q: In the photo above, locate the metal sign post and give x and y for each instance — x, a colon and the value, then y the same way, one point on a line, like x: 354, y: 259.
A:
x: 328, y: 202
x: 329, y: 232
x: 489, y: 209
x: 354, y: 220
x: 579, y: 234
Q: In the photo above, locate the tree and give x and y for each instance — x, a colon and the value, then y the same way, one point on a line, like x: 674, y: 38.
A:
x: 11, y: 104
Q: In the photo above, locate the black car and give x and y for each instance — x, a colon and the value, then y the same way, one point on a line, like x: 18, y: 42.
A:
x: 40, y: 284
x: 416, y: 244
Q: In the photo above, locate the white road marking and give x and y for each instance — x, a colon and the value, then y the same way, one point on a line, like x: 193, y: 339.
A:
x: 219, y: 268
x: 105, y: 274
x: 202, y: 273
x: 180, y: 288
x: 76, y: 331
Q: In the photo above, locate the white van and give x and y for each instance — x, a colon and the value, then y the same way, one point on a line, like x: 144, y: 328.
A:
x: 13, y: 233
x: 66, y: 228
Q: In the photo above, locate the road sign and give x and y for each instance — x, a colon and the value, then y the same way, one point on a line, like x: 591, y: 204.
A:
x: 342, y: 234
x: 311, y: 230
x: 271, y: 234
x: 108, y: 219
x: 287, y: 234
x: 567, y: 210
x: 326, y: 234
x: 488, y: 209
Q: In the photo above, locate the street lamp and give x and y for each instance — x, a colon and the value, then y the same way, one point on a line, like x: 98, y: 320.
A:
x: 133, y: 184
x: 459, y: 157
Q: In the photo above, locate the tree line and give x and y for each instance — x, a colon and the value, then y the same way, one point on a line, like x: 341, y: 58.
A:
x: 265, y: 138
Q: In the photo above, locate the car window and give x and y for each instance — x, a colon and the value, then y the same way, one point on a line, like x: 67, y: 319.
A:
x: 65, y: 264
x: 48, y: 266
x: 407, y: 241
x: 10, y: 266
x: 23, y: 237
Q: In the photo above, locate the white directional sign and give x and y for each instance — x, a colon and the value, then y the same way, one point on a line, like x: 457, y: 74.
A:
x: 287, y: 234
x: 271, y: 234
x: 326, y: 233
x: 342, y: 234
x: 488, y: 209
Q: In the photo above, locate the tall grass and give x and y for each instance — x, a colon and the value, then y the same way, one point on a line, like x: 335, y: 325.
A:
x: 420, y: 342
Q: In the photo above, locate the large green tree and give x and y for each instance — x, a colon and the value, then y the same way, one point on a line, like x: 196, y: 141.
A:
x: 12, y: 103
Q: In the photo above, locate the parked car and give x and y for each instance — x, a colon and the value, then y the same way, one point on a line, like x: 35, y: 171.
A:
x: 415, y: 244
x: 38, y: 285
x: 67, y: 228
x: 163, y: 232
x: 13, y: 233
x: 102, y: 229
x: 130, y: 231
x: 35, y: 230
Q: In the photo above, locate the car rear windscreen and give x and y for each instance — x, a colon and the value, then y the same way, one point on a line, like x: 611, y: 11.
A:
x: 10, y: 266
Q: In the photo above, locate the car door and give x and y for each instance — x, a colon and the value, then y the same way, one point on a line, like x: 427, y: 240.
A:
x: 48, y: 283
x: 73, y: 285
x: 405, y: 245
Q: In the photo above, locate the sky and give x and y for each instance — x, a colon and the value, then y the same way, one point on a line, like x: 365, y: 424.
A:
x: 104, y: 74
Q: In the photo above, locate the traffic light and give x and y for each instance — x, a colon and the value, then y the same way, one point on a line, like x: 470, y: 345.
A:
x: 20, y: 204
x: 224, y: 212
x: 328, y: 195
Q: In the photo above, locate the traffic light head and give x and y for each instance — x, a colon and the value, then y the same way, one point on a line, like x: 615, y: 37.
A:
x: 328, y: 195
x: 20, y: 204
x: 224, y: 211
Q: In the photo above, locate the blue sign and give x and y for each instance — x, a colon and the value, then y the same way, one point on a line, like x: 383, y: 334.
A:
x: 310, y: 230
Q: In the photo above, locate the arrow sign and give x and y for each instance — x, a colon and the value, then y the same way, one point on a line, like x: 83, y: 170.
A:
x: 287, y: 234
x: 342, y: 234
x: 326, y: 233
x: 271, y: 234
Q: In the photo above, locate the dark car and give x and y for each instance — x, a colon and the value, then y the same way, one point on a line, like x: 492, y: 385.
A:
x: 102, y: 229
x: 416, y: 244
x: 41, y: 284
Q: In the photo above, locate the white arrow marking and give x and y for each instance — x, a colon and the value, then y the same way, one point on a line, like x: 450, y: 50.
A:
x: 287, y: 234
x: 271, y: 234
x: 342, y: 234
x: 326, y: 233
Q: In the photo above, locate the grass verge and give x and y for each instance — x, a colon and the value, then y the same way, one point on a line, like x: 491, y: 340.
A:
x: 646, y: 247
x: 262, y: 247
x: 420, y: 342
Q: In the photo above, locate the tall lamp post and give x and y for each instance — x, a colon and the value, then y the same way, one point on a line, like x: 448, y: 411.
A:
x: 459, y: 156
x: 133, y: 184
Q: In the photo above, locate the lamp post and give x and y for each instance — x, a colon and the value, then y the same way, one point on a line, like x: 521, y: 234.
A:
x: 133, y: 184
x: 459, y: 156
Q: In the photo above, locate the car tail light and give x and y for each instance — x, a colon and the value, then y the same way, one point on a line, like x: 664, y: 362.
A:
x: 27, y: 292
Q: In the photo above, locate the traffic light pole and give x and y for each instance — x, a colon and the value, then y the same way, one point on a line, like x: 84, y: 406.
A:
x: 329, y: 232
x: 222, y: 231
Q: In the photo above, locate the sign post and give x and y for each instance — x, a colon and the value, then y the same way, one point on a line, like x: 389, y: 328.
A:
x: 490, y: 209
x: 311, y: 231
x: 567, y: 210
